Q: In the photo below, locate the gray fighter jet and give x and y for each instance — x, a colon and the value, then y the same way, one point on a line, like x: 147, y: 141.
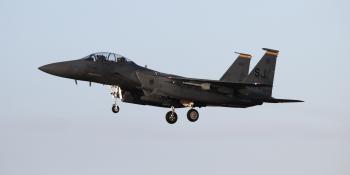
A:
x: 135, y: 84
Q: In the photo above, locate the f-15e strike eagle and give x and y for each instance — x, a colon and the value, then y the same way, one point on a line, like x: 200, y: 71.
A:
x: 132, y: 83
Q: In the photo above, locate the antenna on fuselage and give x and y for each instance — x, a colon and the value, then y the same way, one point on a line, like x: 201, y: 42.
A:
x: 76, y: 82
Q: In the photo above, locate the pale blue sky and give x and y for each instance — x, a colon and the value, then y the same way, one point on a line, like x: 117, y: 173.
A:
x: 48, y: 125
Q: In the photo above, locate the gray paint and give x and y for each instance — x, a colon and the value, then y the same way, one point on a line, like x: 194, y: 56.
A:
x: 40, y: 135
x: 149, y: 87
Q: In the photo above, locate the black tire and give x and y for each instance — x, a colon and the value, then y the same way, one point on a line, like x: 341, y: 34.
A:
x: 171, y: 117
x: 115, y: 109
x: 192, y: 115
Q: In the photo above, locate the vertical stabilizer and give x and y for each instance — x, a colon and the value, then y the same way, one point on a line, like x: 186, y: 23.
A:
x: 239, y: 69
x: 264, y: 71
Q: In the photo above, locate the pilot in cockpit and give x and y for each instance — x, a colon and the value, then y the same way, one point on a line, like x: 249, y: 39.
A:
x: 100, y: 58
x: 121, y: 60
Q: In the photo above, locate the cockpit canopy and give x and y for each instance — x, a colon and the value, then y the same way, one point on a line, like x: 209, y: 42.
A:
x: 107, y: 56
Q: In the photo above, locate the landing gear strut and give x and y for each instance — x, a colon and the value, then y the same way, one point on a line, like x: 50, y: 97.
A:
x: 116, y: 93
x: 171, y: 116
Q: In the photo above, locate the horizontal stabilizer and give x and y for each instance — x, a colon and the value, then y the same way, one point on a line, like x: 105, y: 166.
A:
x: 276, y: 100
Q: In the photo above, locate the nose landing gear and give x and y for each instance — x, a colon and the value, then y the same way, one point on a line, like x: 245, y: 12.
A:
x: 115, y: 108
x: 116, y: 93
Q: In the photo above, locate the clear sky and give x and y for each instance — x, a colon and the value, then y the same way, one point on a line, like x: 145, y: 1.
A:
x: 48, y: 125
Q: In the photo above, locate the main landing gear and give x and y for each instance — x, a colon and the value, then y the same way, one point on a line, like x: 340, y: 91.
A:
x: 171, y: 116
x: 192, y: 115
x: 116, y: 93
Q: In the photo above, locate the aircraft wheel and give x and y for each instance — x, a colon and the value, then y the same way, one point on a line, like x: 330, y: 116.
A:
x: 192, y: 115
x: 171, y: 117
x: 115, y: 108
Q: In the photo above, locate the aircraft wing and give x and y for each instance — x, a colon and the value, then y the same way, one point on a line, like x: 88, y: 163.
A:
x: 205, y: 84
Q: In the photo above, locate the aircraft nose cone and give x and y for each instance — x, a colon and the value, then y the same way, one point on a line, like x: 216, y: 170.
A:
x: 54, y: 68
x: 45, y: 68
x: 65, y: 69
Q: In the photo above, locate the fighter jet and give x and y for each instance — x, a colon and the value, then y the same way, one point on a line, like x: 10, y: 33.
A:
x: 136, y: 84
